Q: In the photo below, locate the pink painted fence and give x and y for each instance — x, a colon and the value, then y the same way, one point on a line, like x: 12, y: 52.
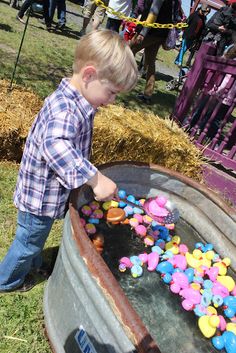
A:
x: 205, y: 107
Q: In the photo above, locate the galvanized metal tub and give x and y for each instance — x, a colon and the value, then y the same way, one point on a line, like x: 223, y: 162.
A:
x: 83, y: 297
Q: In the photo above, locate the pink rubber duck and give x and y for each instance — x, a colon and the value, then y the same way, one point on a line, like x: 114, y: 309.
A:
x: 141, y: 231
x: 153, y: 260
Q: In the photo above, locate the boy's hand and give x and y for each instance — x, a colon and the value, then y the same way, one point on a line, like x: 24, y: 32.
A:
x: 104, y: 189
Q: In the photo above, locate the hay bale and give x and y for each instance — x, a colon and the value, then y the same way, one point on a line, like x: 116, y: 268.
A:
x: 119, y: 134
x: 122, y: 134
x: 17, y: 110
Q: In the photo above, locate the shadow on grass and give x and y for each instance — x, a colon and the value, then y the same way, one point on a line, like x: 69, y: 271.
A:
x: 5, y: 27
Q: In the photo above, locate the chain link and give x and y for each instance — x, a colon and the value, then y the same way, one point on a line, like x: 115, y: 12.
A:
x: 136, y: 21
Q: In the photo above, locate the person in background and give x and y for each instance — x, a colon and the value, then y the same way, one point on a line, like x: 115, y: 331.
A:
x: 151, y: 39
x: 56, y: 154
x: 122, y: 6
x: 27, y: 5
x: 192, y: 34
x: 94, y: 12
x: 60, y: 5
x: 221, y: 27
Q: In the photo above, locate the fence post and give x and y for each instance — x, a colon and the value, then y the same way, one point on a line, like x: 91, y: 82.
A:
x: 194, y: 80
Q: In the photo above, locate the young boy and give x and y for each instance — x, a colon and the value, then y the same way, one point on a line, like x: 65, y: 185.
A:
x: 55, y: 158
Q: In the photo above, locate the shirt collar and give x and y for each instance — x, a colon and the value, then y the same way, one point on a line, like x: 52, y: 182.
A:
x: 70, y: 91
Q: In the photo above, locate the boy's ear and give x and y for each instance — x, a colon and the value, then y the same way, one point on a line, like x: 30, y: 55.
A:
x: 89, y: 74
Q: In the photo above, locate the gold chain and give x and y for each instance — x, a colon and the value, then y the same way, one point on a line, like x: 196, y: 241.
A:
x: 136, y: 21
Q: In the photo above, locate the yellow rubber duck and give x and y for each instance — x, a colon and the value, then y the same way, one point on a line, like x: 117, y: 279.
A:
x: 227, y: 281
x: 208, y: 324
x: 223, y: 266
x: 173, y: 245
x: 231, y: 326
x: 194, y: 260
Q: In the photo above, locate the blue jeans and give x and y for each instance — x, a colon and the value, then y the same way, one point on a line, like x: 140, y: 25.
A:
x: 61, y: 10
x: 184, y: 47
x: 25, y: 250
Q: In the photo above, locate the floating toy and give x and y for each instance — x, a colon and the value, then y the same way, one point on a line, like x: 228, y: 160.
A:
x: 98, y: 242
x: 153, y: 259
x: 167, y: 215
x: 136, y: 271
x: 124, y: 264
x: 179, y: 281
x: 133, y: 222
x: 94, y: 205
x: 179, y: 261
x: 149, y: 240
x: 191, y: 298
x: 141, y: 231
x: 165, y: 267
x: 86, y: 210
x: 227, y: 340
x: 173, y: 245
x: 90, y: 228
x: 97, y: 213
x: 229, y: 306
x: 226, y: 281
x: 208, y: 325
x: 115, y: 215
x: 223, y: 266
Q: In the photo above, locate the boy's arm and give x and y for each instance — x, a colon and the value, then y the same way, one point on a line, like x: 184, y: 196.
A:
x: 71, y: 168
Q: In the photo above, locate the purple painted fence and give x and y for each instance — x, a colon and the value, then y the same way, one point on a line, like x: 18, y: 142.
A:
x: 205, y: 108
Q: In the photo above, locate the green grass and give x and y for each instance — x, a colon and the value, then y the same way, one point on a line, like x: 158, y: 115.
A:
x: 45, y: 58
x: 21, y: 315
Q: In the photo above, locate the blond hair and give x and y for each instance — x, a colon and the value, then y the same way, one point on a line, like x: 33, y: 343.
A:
x: 110, y: 54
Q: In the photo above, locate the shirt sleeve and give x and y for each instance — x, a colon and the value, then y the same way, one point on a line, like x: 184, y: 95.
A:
x: 72, y: 169
x: 154, y: 12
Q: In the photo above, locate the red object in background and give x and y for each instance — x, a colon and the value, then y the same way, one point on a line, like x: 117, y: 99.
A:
x: 129, y: 30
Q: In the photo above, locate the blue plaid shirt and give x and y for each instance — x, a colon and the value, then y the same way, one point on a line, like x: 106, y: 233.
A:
x: 55, y: 158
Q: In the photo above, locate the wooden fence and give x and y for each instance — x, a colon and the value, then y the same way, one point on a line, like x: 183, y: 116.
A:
x: 206, y: 109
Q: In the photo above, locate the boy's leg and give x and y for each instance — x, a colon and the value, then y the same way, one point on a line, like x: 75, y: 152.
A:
x: 31, y: 234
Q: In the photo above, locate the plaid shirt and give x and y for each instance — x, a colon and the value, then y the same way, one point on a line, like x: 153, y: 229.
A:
x: 55, y: 158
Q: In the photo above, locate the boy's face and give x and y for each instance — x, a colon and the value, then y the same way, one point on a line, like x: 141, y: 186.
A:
x: 101, y: 93
x: 96, y: 91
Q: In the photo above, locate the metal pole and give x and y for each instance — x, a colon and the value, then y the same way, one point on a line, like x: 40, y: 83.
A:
x: 18, y: 55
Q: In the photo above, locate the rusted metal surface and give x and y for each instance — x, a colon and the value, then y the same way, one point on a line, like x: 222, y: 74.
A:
x: 80, y: 275
x: 130, y: 320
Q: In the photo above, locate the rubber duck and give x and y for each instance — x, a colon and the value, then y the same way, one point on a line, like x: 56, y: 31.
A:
x: 179, y: 281
x: 227, y: 340
x: 147, y: 219
x: 191, y: 298
x: 157, y: 210
x: 231, y: 327
x: 148, y: 240
x: 86, y: 210
x: 219, y: 289
x: 208, y: 325
x: 173, y: 245
x: 94, y: 205
x: 165, y: 267
x: 124, y: 264
x: 229, y: 306
x: 179, y: 261
x: 97, y: 214
x: 90, y: 228
x: 133, y: 222
x: 153, y: 260
x: 136, y: 271
x: 140, y: 230
x: 194, y: 260
x: 98, y: 242
x: 139, y: 217
x: 223, y: 266
x: 226, y: 281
